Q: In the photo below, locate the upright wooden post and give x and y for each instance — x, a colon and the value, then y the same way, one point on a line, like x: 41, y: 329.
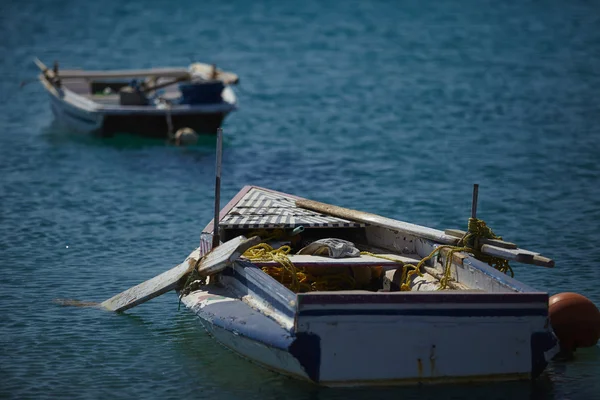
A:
x: 216, y: 238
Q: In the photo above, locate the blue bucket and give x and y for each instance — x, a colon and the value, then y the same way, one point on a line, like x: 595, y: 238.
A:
x: 201, y: 92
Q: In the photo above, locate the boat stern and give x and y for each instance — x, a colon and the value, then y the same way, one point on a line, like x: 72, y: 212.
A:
x: 407, y: 337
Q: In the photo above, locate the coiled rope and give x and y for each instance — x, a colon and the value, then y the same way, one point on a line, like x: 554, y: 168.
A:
x: 294, y: 278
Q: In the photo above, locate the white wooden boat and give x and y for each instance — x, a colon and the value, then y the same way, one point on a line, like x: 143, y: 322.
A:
x: 485, y: 325
x: 152, y: 102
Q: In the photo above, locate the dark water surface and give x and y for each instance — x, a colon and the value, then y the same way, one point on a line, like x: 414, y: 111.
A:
x: 386, y: 106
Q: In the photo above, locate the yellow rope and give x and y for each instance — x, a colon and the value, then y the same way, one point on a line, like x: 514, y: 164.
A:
x: 478, y: 229
x: 264, y: 252
x: 297, y: 279
x: 469, y: 243
x: 300, y: 280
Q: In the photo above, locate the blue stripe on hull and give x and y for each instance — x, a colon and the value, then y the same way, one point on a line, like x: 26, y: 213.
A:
x: 447, y: 312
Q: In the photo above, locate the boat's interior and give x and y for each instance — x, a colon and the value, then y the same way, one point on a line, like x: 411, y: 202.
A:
x: 147, y: 91
x: 382, y: 261
x: 309, y: 246
x: 117, y: 91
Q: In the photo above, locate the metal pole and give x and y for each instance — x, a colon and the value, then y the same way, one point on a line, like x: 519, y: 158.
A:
x: 216, y: 239
x: 474, y: 205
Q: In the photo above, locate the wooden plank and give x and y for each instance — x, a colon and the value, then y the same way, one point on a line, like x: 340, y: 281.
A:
x: 215, y: 261
x: 401, y: 258
x: 374, y: 219
x: 303, y: 260
x: 227, y: 78
x: 457, y: 257
x: 124, y: 74
x: 518, y: 255
x: 149, y: 289
x: 543, y: 261
x: 221, y: 257
x: 494, y: 242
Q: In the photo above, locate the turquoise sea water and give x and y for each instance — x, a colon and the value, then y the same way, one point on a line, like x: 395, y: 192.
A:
x: 386, y: 106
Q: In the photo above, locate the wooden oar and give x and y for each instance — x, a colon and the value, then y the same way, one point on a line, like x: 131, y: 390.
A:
x: 215, y: 261
x: 377, y: 220
x: 491, y: 247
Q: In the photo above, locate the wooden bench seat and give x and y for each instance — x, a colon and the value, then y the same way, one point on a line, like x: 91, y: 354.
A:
x: 303, y: 260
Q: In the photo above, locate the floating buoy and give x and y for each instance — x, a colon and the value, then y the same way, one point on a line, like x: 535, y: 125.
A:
x: 575, y: 321
x: 186, y: 136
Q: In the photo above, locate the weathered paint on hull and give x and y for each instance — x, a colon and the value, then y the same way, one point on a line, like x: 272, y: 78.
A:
x: 245, y: 331
x: 282, y: 362
x: 271, y: 358
x: 421, y: 349
x: 375, y: 350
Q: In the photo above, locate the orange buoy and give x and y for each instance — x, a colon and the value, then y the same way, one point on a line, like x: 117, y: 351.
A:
x: 575, y: 321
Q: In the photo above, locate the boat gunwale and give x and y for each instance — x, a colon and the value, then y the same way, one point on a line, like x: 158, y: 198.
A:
x: 89, y: 105
x: 228, y: 78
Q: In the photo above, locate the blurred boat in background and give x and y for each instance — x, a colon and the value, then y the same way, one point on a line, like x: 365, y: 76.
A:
x: 153, y: 102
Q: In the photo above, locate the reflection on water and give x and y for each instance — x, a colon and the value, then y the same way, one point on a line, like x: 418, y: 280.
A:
x: 57, y: 134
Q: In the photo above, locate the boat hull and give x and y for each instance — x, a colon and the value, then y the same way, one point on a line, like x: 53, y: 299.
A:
x: 155, y: 126
x: 425, y: 338
x: 81, y: 114
x: 143, y: 124
x: 365, y: 339
x: 245, y: 331
x: 76, y: 118
x: 490, y: 327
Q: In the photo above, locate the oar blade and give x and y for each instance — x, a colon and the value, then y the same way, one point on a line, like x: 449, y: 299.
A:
x: 148, y: 290
x: 213, y: 262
